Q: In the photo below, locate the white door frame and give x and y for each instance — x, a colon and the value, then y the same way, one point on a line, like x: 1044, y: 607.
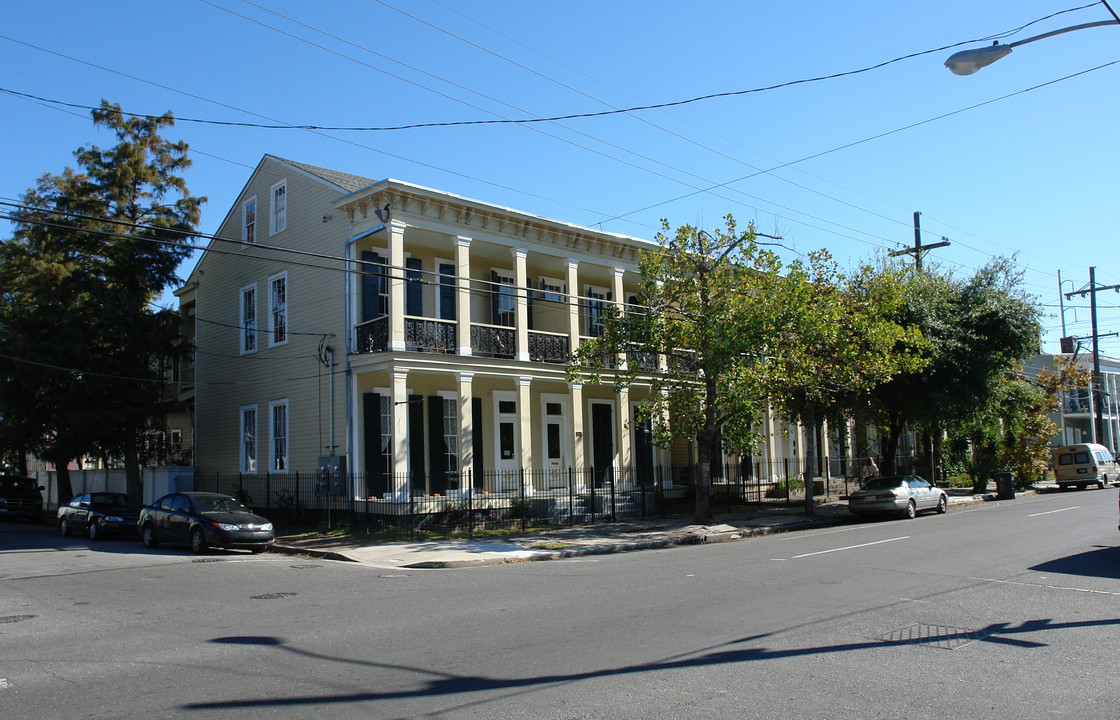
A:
x: 507, y: 467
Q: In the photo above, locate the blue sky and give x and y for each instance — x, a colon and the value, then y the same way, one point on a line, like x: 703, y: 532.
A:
x: 1021, y: 157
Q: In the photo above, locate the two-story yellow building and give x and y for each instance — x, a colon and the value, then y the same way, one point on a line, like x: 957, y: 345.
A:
x: 416, y: 340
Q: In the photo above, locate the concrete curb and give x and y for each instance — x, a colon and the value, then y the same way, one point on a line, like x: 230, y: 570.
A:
x: 599, y: 546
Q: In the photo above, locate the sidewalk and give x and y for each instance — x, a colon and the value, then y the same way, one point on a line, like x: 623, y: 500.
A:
x: 581, y: 540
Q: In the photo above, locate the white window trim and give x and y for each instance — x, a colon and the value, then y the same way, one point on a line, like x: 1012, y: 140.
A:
x: 606, y: 293
x: 256, y: 438
x: 502, y: 276
x: 272, y: 439
x: 550, y: 295
x: 256, y: 221
x: 437, y: 278
x: 272, y: 342
x: 273, y: 230
x: 243, y: 334
x: 500, y: 396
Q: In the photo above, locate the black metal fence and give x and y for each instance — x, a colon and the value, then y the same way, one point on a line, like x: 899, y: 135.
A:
x: 520, y: 499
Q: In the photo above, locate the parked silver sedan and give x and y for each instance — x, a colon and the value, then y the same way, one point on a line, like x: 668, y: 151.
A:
x: 905, y: 494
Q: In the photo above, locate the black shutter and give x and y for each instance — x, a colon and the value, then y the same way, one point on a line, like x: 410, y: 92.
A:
x: 414, y: 303
x: 416, y: 441
x: 478, y: 444
x: 373, y: 460
x: 437, y: 447
x: 371, y: 284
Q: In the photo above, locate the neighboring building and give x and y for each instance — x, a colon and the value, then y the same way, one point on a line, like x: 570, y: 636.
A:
x: 1077, y: 419
x: 438, y: 346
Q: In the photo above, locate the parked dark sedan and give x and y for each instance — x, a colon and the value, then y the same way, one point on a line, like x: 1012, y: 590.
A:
x: 20, y: 498
x: 99, y: 514
x: 204, y: 520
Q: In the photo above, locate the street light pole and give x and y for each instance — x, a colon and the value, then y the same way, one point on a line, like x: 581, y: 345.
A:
x: 967, y: 62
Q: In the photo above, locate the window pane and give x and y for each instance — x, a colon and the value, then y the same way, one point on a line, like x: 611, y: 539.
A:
x: 553, y: 441
x: 505, y: 435
x: 507, y: 407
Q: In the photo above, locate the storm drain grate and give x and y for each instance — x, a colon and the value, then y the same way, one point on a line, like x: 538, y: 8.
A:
x: 273, y: 596
x: 207, y: 560
x: 15, y: 618
x: 306, y: 567
x: 939, y: 636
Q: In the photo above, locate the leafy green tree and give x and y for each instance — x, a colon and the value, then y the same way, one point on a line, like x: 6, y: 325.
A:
x: 977, y: 331
x: 837, y: 339
x: 693, y: 310
x: 92, y: 250
x: 740, y: 330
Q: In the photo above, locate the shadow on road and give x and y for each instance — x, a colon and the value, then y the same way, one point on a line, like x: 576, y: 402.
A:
x: 1103, y: 562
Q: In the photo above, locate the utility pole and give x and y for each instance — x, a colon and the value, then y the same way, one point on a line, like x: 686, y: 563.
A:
x: 1097, y: 395
x: 918, y: 248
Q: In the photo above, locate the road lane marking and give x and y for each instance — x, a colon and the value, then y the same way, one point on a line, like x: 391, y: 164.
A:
x: 850, y: 547
x: 1051, y: 512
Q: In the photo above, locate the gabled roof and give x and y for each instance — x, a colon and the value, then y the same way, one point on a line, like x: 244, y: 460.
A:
x: 343, y: 181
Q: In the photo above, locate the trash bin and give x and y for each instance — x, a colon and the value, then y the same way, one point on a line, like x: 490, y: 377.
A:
x: 1005, y: 485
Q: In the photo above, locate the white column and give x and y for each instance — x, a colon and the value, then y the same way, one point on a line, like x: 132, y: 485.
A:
x: 522, y: 313
x: 525, y: 421
x: 579, y: 449
x: 466, y: 429
x: 573, y: 305
x: 396, y: 285
x: 625, y: 429
x: 399, y: 398
x: 620, y: 304
x: 463, y: 294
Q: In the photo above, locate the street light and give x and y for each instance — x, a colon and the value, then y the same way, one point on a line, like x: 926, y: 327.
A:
x: 967, y: 62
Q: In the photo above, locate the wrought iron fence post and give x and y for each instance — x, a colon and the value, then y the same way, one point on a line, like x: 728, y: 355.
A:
x: 614, y: 509
x: 641, y: 495
x: 470, y: 500
x: 521, y: 496
x: 571, y: 499
x: 591, y: 487
x: 785, y: 468
x: 411, y: 507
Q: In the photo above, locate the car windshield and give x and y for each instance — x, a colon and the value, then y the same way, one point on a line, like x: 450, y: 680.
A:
x: 14, y: 483
x: 220, y: 503
x: 112, y: 500
x: 890, y: 482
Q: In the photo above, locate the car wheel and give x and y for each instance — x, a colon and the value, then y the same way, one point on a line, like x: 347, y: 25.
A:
x: 148, y: 536
x: 911, y: 510
x: 198, y: 541
x: 256, y: 550
x: 943, y: 505
x: 1102, y: 482
x: 64, y: 527
x: 94, y: 531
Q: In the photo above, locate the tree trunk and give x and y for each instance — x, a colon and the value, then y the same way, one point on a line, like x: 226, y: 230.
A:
x: 810, y: 421
x: 890, y: 449
x: 702, y: 515
x: 132, y: 467
x: 62, y: 479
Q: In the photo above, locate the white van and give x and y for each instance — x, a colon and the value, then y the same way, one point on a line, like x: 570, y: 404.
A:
x: 1083, y: 465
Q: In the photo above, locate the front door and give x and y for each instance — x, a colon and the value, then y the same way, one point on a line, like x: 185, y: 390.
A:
x: 555, y: 440
x: 507, y: 443
x: 643, y: 446
x: 602, y: 441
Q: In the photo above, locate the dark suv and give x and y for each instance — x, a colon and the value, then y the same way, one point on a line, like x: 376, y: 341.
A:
x: 20, y: 498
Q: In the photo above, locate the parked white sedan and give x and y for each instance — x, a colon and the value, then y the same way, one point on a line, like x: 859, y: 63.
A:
x: 905, y: 494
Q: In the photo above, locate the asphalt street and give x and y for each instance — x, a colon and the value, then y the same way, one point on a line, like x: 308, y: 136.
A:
x: 997, y: 610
